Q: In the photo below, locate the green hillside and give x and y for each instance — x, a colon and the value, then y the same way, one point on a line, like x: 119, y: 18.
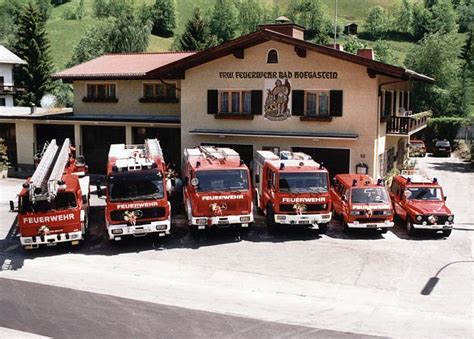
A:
x: 64, y: 34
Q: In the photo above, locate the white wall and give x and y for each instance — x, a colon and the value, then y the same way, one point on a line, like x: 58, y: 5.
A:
x: 7, y: 74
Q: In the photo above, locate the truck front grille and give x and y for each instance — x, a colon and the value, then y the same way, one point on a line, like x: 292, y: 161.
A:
x: 146, y: 213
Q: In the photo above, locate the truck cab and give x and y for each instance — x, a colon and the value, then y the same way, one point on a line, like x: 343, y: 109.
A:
x: 53, y: 204
x: 419, y: 202
x: 292, y: 189
x: 360, y: 202
x: 136, y: 197
x: 217, y: 190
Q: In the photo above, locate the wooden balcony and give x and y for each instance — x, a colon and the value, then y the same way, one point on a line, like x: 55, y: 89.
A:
x: 11, y: 90
x: 407, y: 125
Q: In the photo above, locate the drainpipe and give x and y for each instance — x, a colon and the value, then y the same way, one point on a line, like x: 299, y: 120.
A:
x: 378, y: 116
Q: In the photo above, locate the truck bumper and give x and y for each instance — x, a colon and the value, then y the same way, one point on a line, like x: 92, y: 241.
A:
x: 51, y: 239
x: 303, y: 219
x: 375, y: 225
x: 425, y: 226
x: 162, y: 227
x: 202, y: 223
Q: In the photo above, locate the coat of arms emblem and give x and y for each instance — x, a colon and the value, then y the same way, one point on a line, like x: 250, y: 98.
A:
x: 277, y: 101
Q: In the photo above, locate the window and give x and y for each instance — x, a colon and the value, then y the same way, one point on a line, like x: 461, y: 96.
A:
x: 235, y: 102
x: 272, y: 57
x: 105, y: 92
x: 2, y: 102
x: 317, y: 103
x: 159, y: 90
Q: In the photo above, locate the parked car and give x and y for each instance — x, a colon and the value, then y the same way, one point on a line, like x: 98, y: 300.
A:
x: 421, y: 204
x: 442, y: 148
x: 417, y: 148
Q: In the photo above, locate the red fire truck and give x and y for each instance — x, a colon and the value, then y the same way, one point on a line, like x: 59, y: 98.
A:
x: 53, y: 204
x: 217, y: 190
x: 292, y: 189
x: 420, y: 202
x: 136, y: 197
x: 360, y: 202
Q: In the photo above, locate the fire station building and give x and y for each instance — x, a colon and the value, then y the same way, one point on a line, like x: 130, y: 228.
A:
x: 267, y: 90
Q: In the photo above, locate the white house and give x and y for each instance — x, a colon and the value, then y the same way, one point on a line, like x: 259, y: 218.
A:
x: 7, y: 88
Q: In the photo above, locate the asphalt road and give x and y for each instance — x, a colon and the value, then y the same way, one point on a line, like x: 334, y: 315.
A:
x: 290, y: 284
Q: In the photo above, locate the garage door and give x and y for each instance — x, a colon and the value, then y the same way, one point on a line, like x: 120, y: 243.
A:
x: 47, y: 132
x: 336, y: 160
x: 96, y: 141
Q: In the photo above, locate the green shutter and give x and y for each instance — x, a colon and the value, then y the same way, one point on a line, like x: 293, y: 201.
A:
x: 297, y: 103
x: 335, y: 103
x: 256, y: 99
x: 212, y: 101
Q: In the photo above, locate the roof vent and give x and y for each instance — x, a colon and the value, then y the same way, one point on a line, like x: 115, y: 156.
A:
x: 282, y: 20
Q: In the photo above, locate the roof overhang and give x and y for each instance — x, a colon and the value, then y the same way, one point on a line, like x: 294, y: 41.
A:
x: 276, y: 134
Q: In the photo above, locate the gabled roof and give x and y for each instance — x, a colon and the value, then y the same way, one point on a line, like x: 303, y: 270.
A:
x: 120, y: 66
x: 263, y: 35
x: 8, y: 57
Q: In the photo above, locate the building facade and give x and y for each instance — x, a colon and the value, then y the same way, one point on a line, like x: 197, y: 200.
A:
x: 267, y: 90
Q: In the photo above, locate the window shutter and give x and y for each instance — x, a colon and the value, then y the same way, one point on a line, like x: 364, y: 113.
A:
x: 388, y: 104
x: 297, y: 103
x: 256, y: 98
x: 212, y: 101
x: 335, y: 102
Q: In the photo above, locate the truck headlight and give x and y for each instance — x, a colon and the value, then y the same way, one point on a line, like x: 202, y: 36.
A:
x: 201, y: 221
x: 280, y: 217
x: 245, y: 219
x: 451, y: 218
x: 27, y: 241
x: 355, y: 212
x: 419, y: 218
x: 160, y: 227
x: 117, y: 231
x: 386, y: 212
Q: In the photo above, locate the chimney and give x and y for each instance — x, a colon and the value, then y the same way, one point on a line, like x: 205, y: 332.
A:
x: 367, y: 53
x: 32, y: 108
x: 285, y: 26
x: 339, y: 47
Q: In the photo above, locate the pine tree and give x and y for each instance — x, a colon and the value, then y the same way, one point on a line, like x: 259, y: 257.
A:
x: 251, y: 14
x: 196, y: 34
x: 223, y: 20
x: 163, y: 16
x: 312, y: 15
x: 32, y: 45
x: 129, y: 34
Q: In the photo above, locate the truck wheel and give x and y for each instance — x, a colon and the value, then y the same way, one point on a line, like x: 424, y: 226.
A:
x: 446, y: 233
x: 410, y: 229
x: 323, y: 228
x: 345, y: 228
x: 270, y: 218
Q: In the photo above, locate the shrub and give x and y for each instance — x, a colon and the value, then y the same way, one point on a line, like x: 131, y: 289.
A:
x: 4, y: 163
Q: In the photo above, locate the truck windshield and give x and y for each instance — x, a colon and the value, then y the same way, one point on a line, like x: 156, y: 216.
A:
x: 369, y: 195
x: 423, y: 193
x: 222, y: 180
x: 143, y: 185
x: 304, y: 182
x: 63, y: 201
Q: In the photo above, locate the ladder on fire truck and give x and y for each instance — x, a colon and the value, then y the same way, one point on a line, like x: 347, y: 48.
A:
x: 214, y: 153
x: 46, y: 179
x: 153, y: 148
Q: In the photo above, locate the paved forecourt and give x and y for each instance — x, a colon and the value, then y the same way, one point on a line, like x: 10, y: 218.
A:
x: 363, y: 283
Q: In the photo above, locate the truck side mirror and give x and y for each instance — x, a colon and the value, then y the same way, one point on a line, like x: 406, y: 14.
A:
x: 12, y: 206
x: 186, y: 181
x: 334, y: 181
x: 269, y: 183
x: 98, y: 188
x: 343, y: 198
x: 257, y: 178
x: 445, y: 198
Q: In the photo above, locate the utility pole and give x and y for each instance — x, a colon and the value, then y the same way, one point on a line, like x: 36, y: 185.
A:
x: 335, y: 24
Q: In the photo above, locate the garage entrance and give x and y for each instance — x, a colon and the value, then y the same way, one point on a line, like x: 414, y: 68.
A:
x: 336, y: 160
x: 46, y: 132
x: 170, y: 141
x: 96, y: 141
x: 8, y: 134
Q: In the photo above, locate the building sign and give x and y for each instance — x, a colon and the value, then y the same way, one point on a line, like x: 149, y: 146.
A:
x: 277, y: 102
x: 281, y: 74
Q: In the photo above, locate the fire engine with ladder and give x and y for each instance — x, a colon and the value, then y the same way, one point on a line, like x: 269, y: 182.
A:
x: 136, y: 194
x: 292, y: 189
x: 217, y: 190
x: 53, y: 204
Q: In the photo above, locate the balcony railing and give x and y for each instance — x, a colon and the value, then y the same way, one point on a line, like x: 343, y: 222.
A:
x: 407, y: 125
x: 11, y: 90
